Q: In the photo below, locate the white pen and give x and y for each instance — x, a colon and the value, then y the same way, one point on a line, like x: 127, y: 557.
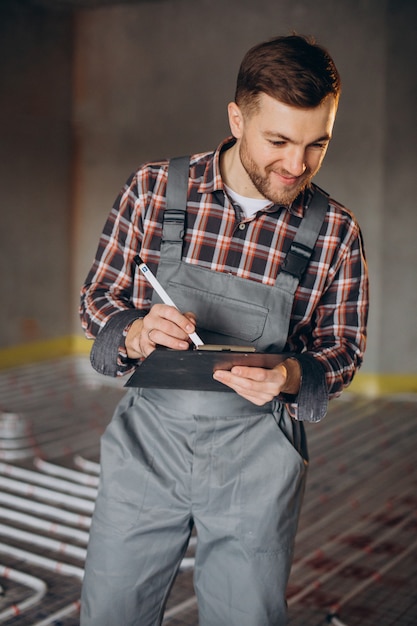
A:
x: 151, y: 278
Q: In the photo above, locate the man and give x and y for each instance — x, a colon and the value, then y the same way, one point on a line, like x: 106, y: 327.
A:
x: 263, y: 258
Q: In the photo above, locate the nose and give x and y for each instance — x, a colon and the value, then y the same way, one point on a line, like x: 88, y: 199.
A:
x: 295, y: 161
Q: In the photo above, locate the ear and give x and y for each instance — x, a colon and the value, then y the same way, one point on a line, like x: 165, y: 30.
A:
x: 235, y: 119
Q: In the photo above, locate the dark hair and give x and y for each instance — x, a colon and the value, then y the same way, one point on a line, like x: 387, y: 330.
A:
x: 293, y: 69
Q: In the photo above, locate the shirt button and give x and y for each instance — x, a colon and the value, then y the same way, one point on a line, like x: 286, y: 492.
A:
x: 242, y: 226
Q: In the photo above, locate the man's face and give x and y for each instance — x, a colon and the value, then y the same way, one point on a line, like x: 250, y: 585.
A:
x: 281, y: 147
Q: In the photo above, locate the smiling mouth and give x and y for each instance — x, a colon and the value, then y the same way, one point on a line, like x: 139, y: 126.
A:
x: 288, y: 180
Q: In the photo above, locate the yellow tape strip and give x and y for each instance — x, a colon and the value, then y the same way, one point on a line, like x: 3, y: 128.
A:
x: 383, y: 384
x: 43, y: 351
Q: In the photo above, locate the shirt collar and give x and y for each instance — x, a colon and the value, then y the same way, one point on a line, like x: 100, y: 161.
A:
x: 212, y: 179
x: 212, y: 182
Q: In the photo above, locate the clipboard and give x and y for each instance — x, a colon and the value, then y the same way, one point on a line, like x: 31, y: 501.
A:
x: 193, y: 369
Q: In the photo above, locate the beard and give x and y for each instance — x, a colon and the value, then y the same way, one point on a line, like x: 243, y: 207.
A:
x: 262, y: 181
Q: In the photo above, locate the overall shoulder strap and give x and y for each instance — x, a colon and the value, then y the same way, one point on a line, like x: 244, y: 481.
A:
x: 176, y: 207
x: 301, y: 249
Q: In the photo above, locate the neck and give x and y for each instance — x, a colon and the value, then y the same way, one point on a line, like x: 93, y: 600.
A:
x: 234, y: 174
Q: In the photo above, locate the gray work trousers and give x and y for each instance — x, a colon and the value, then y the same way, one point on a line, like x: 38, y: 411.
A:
x: 172, y: 460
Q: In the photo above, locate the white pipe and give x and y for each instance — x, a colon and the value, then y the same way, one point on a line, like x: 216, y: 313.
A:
x: 81, y: 521
x: 43, y: 542
x: 308, y: 587
x: 64, y: 548
x: 58, y: 470
x: 64, y: 443
x: 54, y: 618
x: 87, y: 466
x: 51, y: 528
x: 49, y: 564
x: 12, y: 425
x: 366, y: 443
x: 24, y: 579
x: 48, y: 494
x: 335, y: 621
x: 377, y: 498
x: 180, y: 608
x: 15, y: 455
x: 15, y: 444
x: 380, y: 571
x: 55, y: 483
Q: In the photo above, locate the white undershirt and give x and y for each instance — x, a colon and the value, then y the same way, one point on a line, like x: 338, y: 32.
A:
x: 249, y: 206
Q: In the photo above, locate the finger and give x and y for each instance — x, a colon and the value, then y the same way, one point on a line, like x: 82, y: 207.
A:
x: 166, y: 338
x: 255, y: 389
x: 149, y: 336
x: 191, y: 317
x: 248, y: 377
x: 256, y: 397
x: 170, y: 314
x: 257, y: 374
x: 160, y: 329
x: 235, y: 382
x: 274, y: 379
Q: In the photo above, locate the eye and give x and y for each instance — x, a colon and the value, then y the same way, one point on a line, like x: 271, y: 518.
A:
x: 319, y: 146
x: 277, y: 144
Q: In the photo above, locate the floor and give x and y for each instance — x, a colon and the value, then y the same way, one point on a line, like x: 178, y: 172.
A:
x: 356, y: 552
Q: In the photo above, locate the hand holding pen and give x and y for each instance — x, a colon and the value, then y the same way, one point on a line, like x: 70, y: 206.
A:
x: 164, y: 324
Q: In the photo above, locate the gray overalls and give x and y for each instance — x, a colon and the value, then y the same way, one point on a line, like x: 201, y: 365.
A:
x: 173, y: 460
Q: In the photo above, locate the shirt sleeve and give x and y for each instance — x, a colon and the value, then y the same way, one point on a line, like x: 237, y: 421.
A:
x: 335, y: 347
x: 311, y: 402
x: 106, y: 306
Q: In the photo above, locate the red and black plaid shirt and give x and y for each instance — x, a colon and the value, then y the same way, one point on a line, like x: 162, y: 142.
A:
x: 331, y: 303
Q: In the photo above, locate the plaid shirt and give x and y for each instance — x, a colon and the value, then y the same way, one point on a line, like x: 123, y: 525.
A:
x: 331, y: 303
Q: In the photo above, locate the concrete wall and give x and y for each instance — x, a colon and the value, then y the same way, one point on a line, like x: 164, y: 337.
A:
x: 35, y: 153
x: 153, y: 79
x: 397, y: 269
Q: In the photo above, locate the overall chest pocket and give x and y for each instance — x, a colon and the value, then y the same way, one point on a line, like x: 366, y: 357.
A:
x: 221, y: 314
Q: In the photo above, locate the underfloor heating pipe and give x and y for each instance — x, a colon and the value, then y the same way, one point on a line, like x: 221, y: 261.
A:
x: 86, y: 465
x: 55, y: 618
x: 333, y: 615
x: 43, y: 542
x: 16, y: 455
x: 335, y: 621
x: 354, y: 557
x: 58, y: 470
x: 186, y: 605
x: 49, y: 495
x: 80, y: 521
x: 58, y: 484
x: 15, y: 444
x: 186, y: 564
x: 367, y: 446
x: 362, y: 523
x: 41, y: 443
x: 38, y: 585
x: 36, y: 559
x: 52, y: 528
x: 12, y: 425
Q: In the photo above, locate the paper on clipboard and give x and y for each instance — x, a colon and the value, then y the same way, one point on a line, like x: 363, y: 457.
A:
x: 193, y: 369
